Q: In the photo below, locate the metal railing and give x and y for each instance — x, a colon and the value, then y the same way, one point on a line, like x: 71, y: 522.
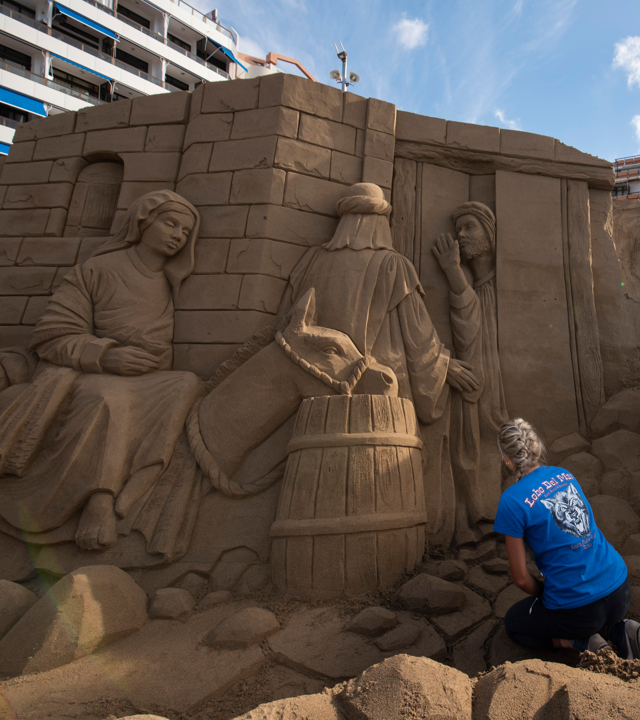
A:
x: 21, y: 72
x: 22, y: 18
x: 7, y: 122
x: 137, y: 26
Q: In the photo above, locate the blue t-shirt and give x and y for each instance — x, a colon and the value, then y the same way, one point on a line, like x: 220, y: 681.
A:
x: 548, y: 509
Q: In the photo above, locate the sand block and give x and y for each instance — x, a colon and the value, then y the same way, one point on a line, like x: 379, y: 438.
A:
x: 306, y: 707
x: 430, y: 595
x: 451, y: 570
x: 303, y: 157
x: 248, y: 627
x: 490, y: 583
x: 568, y: 445
x: 454, y: 625
x: 586, y: 469
x: 171, y: 604
x: 15, y: 600
x: 372, y: 621
x: 618, y: 451
x: 616, y: 518
x: 621, y: 412
x: 469, y: 653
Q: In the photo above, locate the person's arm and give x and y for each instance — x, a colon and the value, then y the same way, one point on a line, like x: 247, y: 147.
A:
x: 519, y: 570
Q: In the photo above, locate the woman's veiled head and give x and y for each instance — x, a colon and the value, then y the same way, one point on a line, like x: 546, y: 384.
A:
x: 141, y: 216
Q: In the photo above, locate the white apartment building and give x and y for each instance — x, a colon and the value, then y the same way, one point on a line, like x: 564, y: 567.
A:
x: 627, y: 184
x: 61, y: 56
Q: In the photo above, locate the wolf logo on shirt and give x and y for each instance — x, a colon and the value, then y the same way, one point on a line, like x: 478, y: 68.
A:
x: 570, y: 512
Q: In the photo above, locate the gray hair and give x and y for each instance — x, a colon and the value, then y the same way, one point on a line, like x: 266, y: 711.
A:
x: 519, y: 441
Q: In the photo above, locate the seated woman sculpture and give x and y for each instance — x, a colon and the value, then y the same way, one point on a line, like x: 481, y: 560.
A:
x: 98, y: 423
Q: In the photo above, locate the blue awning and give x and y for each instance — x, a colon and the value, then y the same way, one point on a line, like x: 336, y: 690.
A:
x: 22, y: 102
x: 228, y: 53
x: 4, y: 148
x: 82, y: 67
x: 85, y: 21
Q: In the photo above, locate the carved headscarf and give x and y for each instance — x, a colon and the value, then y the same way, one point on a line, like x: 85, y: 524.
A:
x: 364, y: 220
x: 485, y: 217
x: 140, y: 216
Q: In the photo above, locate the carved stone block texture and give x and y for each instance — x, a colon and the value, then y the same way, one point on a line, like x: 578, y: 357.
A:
x: 27, y: 173
x: 360, y: 136
x: 261, y: 292
x: 403, y: 220
x: 474, y: 137
x: 516, y: 142
x: 257, y: 186
x: 195, y: 159
x: 422, y: 129
x: 333, y: 135
x: 203, y: 360
x: 26, y: 280
x: 12, y: 309
x: 289, y: 225
x: 379, y: 172
x: 61, y: 273
x: 530, y: 274
x: 35, y: 309
x: 9, y: 248
x: 222, y: 97
x: 208, y: 128
x: 14, y: 222
x: 266, y: 257
x: 38, y: 196
x: 295, y: 92
x: 131, y: 191
x: 312, y: 194
x: 164, y: 138
x: 224, y: 222
x: 206, y: 188
x: 266, y: 121
x: 21, y: 152
x: 48, y: 251
x: 243, y: 154
x: 117, y: 141
x: 54, y: 148
x: 151, y: 166
x: 67, y: 169
x: 3, y: 189
x: 211, y: 255
x: 101, y: 117
x: 196, y: 101
x: 15, y: 335
x: 303, y: 157
x: 346, y: 168
x: 381, y: 116
x: 155, y: 110
x: 379, y: 145
x: 218, y: 326
x: 566, y: 153
x: 209, y: 292
x: 56, y: 222
x: 52, y: 126
x: 354, y: 111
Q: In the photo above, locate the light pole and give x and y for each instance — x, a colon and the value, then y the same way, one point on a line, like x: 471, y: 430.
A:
x: 335, y: 74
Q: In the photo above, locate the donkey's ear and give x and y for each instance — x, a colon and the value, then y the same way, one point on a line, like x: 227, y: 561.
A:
x: 303, y: 312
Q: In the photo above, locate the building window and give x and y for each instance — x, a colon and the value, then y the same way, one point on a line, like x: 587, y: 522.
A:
x: 17, y: 7
x: 11, y: 113
x: 75, y: 83
x: 14, y: 57
x: 216, y: 61
x: 180, y: 43
x: 176, y: 83
x: 122, y: 10
x: 61, y: 24
x: 132, y: 60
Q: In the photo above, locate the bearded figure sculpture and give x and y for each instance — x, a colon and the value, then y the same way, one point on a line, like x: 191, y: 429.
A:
x: 477, y: 414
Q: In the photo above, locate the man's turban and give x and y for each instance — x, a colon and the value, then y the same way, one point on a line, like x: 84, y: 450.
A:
x: 364, y: 220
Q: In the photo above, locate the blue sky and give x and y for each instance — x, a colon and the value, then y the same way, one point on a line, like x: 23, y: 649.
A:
x: 565, y: 68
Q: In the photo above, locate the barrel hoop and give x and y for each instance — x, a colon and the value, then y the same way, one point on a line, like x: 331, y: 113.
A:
x: 348, y: 525
x: 302, y: 442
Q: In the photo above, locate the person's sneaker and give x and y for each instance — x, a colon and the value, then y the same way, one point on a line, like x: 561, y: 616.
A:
x: 592, y: 644
x: 625, y: 635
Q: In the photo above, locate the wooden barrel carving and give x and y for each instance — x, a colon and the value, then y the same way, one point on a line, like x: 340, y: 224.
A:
x: 351, y: 513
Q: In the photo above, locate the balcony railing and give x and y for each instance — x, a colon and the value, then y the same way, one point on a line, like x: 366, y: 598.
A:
x: 21, y: 72
x: 7, y: 122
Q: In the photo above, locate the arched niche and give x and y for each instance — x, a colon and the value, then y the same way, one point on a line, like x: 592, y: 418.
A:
x: 95, y: 198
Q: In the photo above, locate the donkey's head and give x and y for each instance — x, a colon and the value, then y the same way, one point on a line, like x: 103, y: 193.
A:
x: 333, y: 352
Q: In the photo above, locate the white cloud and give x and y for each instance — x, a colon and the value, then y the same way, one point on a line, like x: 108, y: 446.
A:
x: 511, y: 124
x: 411, y: 33
x: 251, y: 47
x: 635, y: 121
x: 627, y: 56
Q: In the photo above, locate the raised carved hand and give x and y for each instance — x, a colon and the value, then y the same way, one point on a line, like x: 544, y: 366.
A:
x: 460, y: 376
x: 447, y: 250
x: 128, y: 361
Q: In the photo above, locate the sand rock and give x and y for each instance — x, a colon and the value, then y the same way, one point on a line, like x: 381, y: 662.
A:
x: 615, y: 517
x: 306, y: 707
x: 468, y: 654
x: 614, y: 483
x: 484, y: 550
x: 508, y: 597
x: 496, y: 566
x: 401, y: 637
x: 430, y: 595
x: 454, y: 625
x: 248, y: 627
x: 451, y: 570
x: 537, y: 689
x: 86, y: 610
x: 567, y: 445
x: 631, y: 545
x: 194, y: 583
x: 16, y: 563
x: 405, y: 686
x: 586, y: 469
x: 372, y: 621
x: 634, y: 605
x: 490, y: 584
x: 15, y: 600
x: 633, y: 568
x: 171, y: 604
x: 618, y: 451
x: 215, y: 598
x: 620, y: 412
x: 143, y: 717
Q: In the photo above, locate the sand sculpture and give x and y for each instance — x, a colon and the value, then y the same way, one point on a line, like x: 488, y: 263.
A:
x: 257, y: 339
